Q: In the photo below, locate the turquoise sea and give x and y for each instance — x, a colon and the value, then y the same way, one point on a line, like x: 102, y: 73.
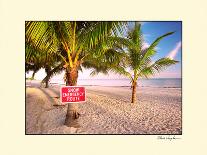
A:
x: 161, y: 82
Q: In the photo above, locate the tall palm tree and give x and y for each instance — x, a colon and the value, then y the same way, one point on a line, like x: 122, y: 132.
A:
x: 74, y: 42
x: 137, y: 60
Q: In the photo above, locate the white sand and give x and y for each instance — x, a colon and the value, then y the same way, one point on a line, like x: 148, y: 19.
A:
x: 107, y: 110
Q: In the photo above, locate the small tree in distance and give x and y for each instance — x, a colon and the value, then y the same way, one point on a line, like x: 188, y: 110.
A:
x: 138, y: 59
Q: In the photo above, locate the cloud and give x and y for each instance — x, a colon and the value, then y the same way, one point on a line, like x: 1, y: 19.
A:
x: 146, y: 45
x: 174, y: 52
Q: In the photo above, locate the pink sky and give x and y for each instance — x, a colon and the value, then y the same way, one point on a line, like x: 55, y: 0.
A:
x: 86, y: 75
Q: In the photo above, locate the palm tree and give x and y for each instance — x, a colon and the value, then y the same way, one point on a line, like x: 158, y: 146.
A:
x: 31, y: 67
x: 32, y: 63
x: 40, y: 58
x: 137, y: 60
x: 74, y: 42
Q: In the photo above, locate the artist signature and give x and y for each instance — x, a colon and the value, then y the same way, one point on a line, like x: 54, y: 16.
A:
x: 169, y: 137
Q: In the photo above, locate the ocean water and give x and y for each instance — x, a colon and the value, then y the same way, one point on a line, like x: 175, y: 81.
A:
x: 162, y: 82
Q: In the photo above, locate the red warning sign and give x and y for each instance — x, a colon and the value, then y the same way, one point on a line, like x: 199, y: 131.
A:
x: 72, y: 94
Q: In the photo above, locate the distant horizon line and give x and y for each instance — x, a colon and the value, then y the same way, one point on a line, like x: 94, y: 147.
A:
x: 116, y: 79
x: 124, y: 78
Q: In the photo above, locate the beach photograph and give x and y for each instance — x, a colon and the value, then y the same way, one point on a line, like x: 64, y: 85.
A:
x: 103, y: 77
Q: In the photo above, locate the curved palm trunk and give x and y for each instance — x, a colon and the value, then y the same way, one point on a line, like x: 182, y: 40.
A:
x: 33, y: 74
x: 47, y: 83
x: 49, y: 75
x: 72, y: 111
x: 134, y: 87
x: 47, y: 70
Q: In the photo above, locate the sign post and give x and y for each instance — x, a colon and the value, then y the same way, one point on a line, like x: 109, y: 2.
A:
x: 72, y: 94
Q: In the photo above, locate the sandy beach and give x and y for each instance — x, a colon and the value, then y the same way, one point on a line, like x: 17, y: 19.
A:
x: 107, y: 110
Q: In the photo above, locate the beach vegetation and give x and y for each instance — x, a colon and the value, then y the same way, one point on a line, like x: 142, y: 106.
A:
x: 37, y: 58
x: 78, y: 44
x: 137, y: 59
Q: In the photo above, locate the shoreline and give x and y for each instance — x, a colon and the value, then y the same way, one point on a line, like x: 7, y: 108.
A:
x: 122, y: 86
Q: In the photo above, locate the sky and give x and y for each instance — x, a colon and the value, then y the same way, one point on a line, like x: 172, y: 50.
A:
x: 170, y: 46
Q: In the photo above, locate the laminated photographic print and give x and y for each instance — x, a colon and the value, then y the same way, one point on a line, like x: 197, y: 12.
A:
x: 103, y: 77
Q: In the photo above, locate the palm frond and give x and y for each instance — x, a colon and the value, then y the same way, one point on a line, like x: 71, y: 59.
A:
x: 98, y: 32
x: 63, y: 31
x: 156, y: 42
x: 122, y: 71
x: 136, y: 36
x: 151, y: 51
x: 156, y: 67
x: 41, y: 36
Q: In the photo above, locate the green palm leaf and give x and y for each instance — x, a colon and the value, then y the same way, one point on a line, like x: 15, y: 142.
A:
x: 122, y: 71
x: 156, y: 67
x: 150, y: 51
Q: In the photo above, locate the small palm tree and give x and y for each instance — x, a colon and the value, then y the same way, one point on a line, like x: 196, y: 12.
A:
x: 137, y: 59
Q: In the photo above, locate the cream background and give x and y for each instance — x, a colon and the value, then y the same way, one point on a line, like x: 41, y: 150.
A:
x: 12, y: 93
